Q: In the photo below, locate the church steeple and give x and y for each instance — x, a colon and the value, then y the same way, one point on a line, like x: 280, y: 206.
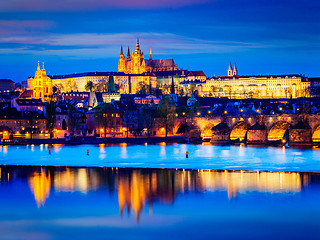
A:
x: 230, y: 70
x: 38, y: 68
x: 43, y: 69
x: 137, y: 51
x: 128, y: 55
x: 150, y: 55
x: 235, y: 70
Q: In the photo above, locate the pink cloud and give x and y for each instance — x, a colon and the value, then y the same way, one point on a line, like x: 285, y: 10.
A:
x: 26, y: 24
x: 80, y: 5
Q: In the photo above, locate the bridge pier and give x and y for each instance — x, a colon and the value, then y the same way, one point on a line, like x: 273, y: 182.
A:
x: 300, y: 133
x: 257, y: 134
x: 220, y: 133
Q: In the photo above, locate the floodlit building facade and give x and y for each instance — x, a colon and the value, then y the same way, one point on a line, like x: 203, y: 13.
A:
x: 260, y: 86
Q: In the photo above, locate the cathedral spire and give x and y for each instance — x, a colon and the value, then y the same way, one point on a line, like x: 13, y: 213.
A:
x: 38, y: 68
x: 128, y: 55
x: 121, y: 51
x: 150, y: 55
x: 137, y: 47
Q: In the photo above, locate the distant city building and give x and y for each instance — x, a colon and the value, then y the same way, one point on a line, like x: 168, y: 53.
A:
x: 137, y: 64
x: 28, y: 105
x: 6, y: 85
x: 147, y: 100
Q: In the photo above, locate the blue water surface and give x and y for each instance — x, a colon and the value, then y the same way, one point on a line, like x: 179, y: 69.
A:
x: 203, y: 156
x: 127, y: 203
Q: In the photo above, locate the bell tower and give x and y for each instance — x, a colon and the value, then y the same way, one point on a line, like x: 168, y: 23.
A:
x: 230, y: 71
x: 235, y: 70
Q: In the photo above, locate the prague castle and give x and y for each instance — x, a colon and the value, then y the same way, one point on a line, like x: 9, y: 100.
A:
x: 137, y: 64
x: 256, y: 86
x: 135, y: 72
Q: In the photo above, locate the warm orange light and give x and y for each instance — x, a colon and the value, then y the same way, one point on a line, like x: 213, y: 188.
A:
x: 183, y: 113
x: 101, y: 130
x: 124, y: 129
x: 198, y: 113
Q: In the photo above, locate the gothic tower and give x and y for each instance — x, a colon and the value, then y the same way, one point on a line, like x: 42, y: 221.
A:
x: 230, y: 70
x: 235, y: 70
x: 122, y: 62
x: 128, y: 55
x: 137, y: 58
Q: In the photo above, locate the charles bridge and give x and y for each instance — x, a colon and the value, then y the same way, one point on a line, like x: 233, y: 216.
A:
x: 257, y: 129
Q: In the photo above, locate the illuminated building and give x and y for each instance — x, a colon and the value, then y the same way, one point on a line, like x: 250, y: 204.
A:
x: 137, y: 64
x: 124, y: 83
x: 260, y: 86
x: 41, y: 85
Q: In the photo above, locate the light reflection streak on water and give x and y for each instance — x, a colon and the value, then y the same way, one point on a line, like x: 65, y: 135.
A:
x: 137, y: 187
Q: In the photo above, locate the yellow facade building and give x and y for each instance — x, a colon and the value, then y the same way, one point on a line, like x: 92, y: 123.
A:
x: 260, y: 86
x: 125, y: 83
x: 41, y: 85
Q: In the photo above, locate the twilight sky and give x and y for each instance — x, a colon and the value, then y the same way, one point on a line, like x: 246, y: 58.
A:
x: 261, y: 36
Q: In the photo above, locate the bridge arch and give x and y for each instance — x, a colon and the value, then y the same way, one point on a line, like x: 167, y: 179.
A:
x: 239, y: 131
x: 278, y: 130
x: 316, y: 134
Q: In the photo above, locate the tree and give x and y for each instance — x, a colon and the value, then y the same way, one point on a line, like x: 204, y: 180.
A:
x: 89, y: 86
x: 51, y: 116
x: 149, y: 112
x: 101, y: 86
x: 181, y: 92
x: 73, y: 118
x: 288, y: 92
x: 142, y: 88
x: 103, y: 116
x: 166, y: 112
x: 184, y: 111
x: 213, y: 91
x: 166, y: 89
x: 192, y: 88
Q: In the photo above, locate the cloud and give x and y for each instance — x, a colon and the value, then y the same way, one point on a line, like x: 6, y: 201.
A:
x: 24, y: 26
x: 88, y: 45
x: 85, y: 5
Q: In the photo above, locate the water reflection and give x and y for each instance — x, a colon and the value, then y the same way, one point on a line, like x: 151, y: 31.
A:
x: 137, y: 188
